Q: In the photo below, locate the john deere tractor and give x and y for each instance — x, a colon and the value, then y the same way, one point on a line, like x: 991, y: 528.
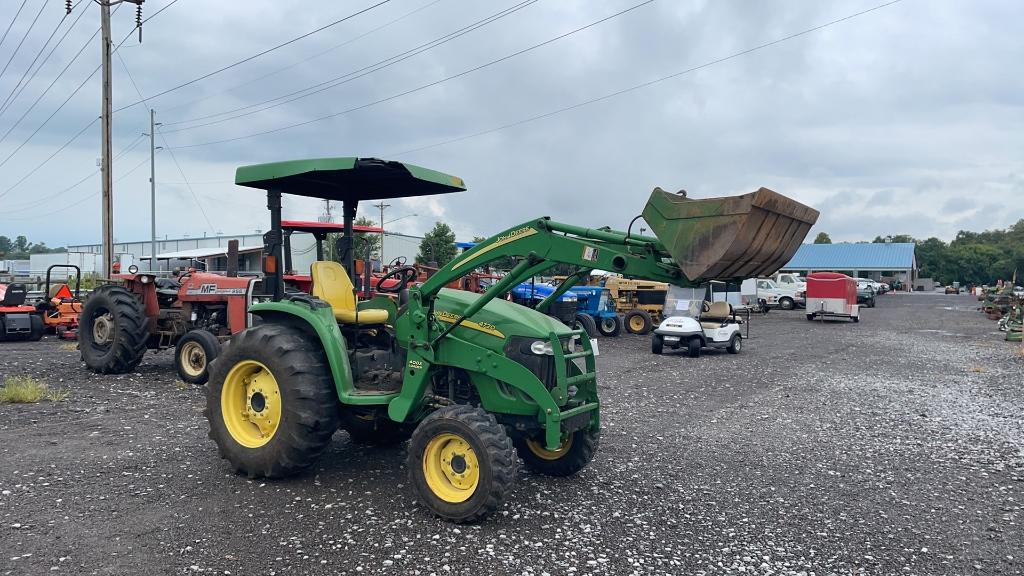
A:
x: 473, y: 381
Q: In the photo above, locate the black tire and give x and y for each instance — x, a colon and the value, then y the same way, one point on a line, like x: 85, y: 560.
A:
x: 308, y: 401
x: 126, y: 322
x: 657, y: 344
x: 787, y: 303
x: 638, y: 322
x: 494, y: 452
x: 193, y: 354
x: 810, y: 317
x: 3, y: 329
x: 369, y: 426
x: 693, y: 347
x: 36, y: 328
x: 856, y: 318
x: 871, y: 303
x: 586, y: 322
x: 735, y: 345
x: 580, y: 451
x: 610, y: 326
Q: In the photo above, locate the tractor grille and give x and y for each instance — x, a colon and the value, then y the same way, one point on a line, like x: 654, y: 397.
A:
x: 563, y: 311
x: 542, y: 365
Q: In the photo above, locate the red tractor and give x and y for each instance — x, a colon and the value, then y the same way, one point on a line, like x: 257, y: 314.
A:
x: 193, y: 313
x: 18, y: 321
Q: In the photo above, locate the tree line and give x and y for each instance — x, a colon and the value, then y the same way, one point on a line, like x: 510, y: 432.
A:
x: 20, y: 248
x: 970, y: 258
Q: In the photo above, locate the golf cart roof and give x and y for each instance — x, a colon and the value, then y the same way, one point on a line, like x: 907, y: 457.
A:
x: 348, y: 179
x: 315, y: 227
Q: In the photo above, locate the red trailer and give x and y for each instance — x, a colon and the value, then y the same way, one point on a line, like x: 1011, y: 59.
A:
x: 832, y: 295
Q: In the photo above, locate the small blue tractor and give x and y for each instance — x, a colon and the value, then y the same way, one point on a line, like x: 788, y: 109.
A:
x: 530, y: 294
x: 597, y: 303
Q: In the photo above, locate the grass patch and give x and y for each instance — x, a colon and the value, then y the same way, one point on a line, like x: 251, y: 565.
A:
x: 28, y: 390
x: 978, y: 369
x: 69, y: 346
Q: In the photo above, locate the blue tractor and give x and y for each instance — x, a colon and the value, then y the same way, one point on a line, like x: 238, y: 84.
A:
x: 597, y: 303
x: 530, y: 294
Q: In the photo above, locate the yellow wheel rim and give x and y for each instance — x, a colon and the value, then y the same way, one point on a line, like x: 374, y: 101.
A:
x: 193, y: 359
x: 250, y: 403
x: 636, y: 323
x: 538, y: 449
x: 451, y: 468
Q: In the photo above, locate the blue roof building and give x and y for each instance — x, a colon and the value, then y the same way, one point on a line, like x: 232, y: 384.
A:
x: 890, y: 260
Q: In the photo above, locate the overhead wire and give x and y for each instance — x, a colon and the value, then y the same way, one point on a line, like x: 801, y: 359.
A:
x: 350, y: 76
x: 22, y: 41
x: 648, y: 83
x: 254, y: 56
x: 166, y: 109
x: 13, y: 20
x: 423, y: 86
x: 168, y: 146
x: 93, y: 121
x: 22, y: 85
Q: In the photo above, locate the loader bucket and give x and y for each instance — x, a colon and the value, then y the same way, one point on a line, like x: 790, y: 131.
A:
x: 743, y: 236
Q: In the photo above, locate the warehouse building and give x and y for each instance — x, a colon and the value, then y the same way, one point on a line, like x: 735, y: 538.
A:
x: 885, y: 262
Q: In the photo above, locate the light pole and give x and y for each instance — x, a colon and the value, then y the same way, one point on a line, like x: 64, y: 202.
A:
x: 152, y: 185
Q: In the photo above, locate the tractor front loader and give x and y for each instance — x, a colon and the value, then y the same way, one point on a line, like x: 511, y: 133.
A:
x: 474, y: 381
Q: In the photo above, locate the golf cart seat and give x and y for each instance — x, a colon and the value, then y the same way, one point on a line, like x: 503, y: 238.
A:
x: 332, y: 285
x: 716, y: 315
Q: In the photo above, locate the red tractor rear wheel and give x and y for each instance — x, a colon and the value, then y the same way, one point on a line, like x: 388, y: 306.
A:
x: 113, y: 330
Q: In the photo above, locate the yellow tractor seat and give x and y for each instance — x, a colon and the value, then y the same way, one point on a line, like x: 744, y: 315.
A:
x: 332, y: 285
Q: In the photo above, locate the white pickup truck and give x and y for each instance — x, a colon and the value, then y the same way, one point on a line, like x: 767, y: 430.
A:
x: 790, y: 281
x: 773, y: 295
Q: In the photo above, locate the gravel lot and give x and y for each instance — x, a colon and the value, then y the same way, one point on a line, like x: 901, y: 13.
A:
x: 893, y: 446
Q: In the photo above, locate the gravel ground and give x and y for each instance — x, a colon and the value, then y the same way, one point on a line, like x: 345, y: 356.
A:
x: 893, y: 446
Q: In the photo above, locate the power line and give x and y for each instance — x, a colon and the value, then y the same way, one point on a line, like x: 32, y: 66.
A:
x: 304, y: 60
x: 353, y: 75
x: 13, y: 20
x: 645, y: 84
x: 27, y: 32
x: 424, y: 86
x: 86, y: 127
x: 254, y: 56
x: 23, y: 83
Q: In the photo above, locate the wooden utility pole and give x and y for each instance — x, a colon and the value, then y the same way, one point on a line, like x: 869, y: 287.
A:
x: 382, y: 206
x: 105, y: 170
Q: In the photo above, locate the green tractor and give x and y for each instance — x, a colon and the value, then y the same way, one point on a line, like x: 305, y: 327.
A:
x: 473, y: 381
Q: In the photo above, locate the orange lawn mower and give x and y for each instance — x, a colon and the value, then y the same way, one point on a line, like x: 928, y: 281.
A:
x: 18, y: 321
x: 60, y: 307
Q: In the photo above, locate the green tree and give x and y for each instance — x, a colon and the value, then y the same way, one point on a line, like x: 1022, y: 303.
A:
x: 822, y: 238
x: 897, y: 239
x: 438, y: 245
x: 5, y: 245
x: 21, y: 244
x: 367, y: 241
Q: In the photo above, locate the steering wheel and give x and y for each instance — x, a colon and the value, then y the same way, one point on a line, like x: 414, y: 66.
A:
x: 404, y: 275
x: 398, y: 261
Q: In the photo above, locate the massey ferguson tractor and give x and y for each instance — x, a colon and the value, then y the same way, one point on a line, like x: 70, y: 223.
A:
x: 471, y: 379
x: 193, y: 313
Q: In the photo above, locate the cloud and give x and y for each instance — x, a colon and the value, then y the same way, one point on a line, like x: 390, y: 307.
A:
x: 898, y: 121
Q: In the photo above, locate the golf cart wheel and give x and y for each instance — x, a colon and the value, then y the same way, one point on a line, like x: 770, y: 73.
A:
x: 35, y: 333
x: 610, y: 326
x: 113, y: 329
x: 461, y: 463
x: 657, y: 343
x: 367, y: 425
x: 271, y: 401
x: 638, y: 322
x: 786, y: 303
x: 573, y: 455
x: 193, y: 355
x: 693, y: 347
x: 735, y: 345
x: 586, y: 322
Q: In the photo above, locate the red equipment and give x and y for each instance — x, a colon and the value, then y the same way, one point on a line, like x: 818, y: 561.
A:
x: 832, y: 295
x: 61, y: 308
x: 18, y: 321
x: 193, y: 313
x: 319, y: 230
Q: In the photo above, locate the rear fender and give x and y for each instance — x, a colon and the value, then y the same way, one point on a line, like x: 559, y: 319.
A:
x: 319, y: 324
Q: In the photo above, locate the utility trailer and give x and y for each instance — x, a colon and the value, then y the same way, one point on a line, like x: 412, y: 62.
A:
x: 832, y: 295
x: 472, y: 380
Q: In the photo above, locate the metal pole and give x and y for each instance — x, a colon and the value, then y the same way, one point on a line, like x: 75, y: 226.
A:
x: 382, y: 206
x: 152, y: 186
x: 108, y: 203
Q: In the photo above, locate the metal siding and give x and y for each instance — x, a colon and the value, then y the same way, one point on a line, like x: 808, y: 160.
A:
x: 892, y: 256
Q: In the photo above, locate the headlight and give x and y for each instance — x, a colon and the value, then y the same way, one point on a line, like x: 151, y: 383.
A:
x: 541, y: 347
x: 144, y: 279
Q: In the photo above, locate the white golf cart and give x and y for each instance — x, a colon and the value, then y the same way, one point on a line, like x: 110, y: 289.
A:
x: 694, y: 323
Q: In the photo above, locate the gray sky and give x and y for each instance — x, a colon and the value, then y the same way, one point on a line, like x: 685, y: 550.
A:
x: 909, y: 119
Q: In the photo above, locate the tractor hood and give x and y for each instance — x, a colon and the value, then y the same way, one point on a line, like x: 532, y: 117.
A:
x: 498, y: 320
